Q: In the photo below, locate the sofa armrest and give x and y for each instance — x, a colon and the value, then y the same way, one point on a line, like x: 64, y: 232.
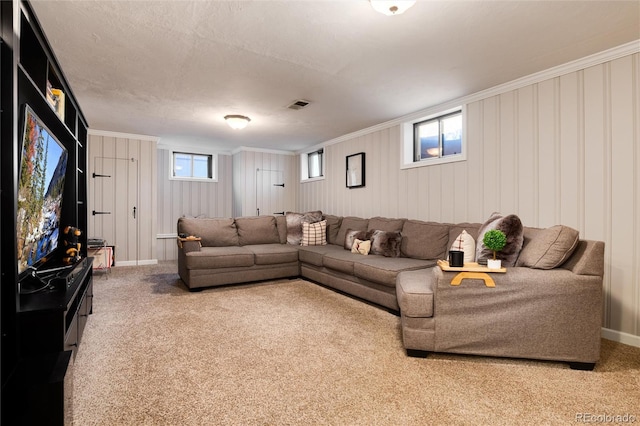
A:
x: 189, y: 244
x: 587, y: 259
x: 530, y: 313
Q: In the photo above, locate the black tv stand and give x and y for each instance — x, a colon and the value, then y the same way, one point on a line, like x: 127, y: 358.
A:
x: 53, y: 320
x: 50, y: 326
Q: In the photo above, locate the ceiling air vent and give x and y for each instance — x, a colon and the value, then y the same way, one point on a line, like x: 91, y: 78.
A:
x: 299, y: 104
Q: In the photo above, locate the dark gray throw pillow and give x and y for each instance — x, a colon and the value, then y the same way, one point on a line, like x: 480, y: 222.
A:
x: 385, y: 243
x: 513, y: 230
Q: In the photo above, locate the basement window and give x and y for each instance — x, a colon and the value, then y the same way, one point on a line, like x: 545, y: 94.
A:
x: 434, y: 139
x: 193, y: 166
x: 312, y: 165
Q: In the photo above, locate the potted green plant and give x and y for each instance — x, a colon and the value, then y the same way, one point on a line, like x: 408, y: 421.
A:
x: 494, y: 240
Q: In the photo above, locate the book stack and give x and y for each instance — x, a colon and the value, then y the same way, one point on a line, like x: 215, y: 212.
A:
x: 55, y: 97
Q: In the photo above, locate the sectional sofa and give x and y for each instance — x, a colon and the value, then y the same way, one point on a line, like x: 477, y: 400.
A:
x: 546, y: 306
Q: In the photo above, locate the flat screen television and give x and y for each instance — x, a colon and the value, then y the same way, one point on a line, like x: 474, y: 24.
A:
x: 43, y: 164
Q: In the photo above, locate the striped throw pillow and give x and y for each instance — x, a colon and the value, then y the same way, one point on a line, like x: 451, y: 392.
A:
x: 314, y: 234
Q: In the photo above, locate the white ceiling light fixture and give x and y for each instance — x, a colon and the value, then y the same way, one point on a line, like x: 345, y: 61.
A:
x: 237, y: 122
x: 391, y: 7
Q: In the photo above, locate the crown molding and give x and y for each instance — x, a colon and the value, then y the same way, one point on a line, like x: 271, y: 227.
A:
x: 107, y: 133
x: 262, y: 150
x: 626, y: 49
x: 192, y: 149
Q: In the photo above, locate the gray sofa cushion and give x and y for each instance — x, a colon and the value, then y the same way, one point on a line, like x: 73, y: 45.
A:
x: 587, y: 258
x: 350, y: 222
x: 314, y: 254
x: 385, y: 224
x: 219, y: 257
x: 424, y: 240
x: 384, y: 270
x: 341, y: 261
x: 281, y: 223
x: 333, y: 227
x: 218, y: 232
x: 257, y: 230
x: 270, y: 254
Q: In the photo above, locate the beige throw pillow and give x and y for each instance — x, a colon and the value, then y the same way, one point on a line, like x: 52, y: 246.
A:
x: 465, y: 242
x: 361, y: 247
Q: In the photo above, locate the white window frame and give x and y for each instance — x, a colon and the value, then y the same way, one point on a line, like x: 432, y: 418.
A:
x: 304, y: 165
x: 408, y: 141
x: 214, y: 166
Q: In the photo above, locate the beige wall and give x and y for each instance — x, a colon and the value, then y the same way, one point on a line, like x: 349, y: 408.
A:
x: 563, y: 150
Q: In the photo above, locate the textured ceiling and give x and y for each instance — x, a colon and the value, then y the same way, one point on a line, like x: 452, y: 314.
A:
x: 174, y: 69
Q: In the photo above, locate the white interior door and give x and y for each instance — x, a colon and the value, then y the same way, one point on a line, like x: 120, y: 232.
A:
x: 270, y: 191
x: 114, y: 210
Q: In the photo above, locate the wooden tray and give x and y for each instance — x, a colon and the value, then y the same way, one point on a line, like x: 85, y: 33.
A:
x: 468, y: 267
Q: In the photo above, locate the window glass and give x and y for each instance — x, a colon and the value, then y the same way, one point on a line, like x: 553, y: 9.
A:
x: 201, y: 166
x: 452, y: 135
x: 438, y: 137
x: 315, y: 164
x: 193, y: 166
x: 181, y: 165
x: 312, y: 165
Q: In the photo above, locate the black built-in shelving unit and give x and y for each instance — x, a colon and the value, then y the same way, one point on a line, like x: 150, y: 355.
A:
x: 42, y: 331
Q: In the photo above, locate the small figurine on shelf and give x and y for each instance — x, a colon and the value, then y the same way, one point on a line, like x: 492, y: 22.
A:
x: 72, y: 245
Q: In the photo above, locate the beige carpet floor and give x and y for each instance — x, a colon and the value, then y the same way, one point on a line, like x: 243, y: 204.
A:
x: 290, y: 352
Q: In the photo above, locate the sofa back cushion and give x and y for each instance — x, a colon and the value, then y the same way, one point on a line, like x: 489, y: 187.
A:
x: 587, y: 258
x: 257, y: 230
x: 333, y: 227
x: 281, y: 223
x: 385, y: 224
x: 215, y: 232
x: 353, y: 223
x: 547, y: 248
x: 424, y: 240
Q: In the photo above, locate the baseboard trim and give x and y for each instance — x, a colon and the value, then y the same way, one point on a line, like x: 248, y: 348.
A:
x: 136, y: 262
x: 621, y: 337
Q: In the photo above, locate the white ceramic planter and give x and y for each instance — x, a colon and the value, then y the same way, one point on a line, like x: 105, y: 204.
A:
x: 494, y: 264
